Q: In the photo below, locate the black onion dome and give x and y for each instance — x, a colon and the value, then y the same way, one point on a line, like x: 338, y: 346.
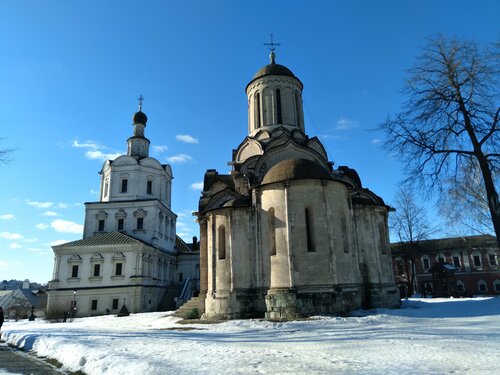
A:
x: 140, y: 118
x: 295, y: 169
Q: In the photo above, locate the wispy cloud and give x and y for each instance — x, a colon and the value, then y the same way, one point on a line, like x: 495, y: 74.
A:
x: 186, y: 138
x: 50, y: 213
x: 159, y: 148
x: 15, y: 245
x: 346, y: 124
x: 41, y: 226
x: 65, y: 226
x: 197, y: 186
x: 95, y: 150
x: 4, y: 264
x: 179, y: 159
x: 10, y: 236
x: 31, y: 239
x: 39, y: 204
x: 376, y: 141
x: 333, y: 136
x: 97, y: 154
x: 7, y: 217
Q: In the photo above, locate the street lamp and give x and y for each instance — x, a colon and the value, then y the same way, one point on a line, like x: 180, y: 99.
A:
x: 74, y: 303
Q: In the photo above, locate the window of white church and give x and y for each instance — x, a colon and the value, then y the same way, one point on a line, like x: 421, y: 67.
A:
x: 118, y: 269
x: 140, y: 223
x: 120, y: 224
x: 106, y: 188
x: 74, y: 270
x: 93, y: 305
x: 221, y: 239
x: 149, y: 187
x: 100, y: 225
x: 97, y: 270
x: 114, y: 305
x: 124, y: 185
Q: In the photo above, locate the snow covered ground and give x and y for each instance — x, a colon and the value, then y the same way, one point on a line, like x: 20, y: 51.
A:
x: 426, y: 336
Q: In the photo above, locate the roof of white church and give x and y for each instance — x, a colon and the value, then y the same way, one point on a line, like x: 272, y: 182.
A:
x: 110, y: 238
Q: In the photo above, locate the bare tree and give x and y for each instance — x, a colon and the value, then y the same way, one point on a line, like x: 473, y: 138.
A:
x: 469, y: 209
x: 409, y: 223
x: 450, y: 118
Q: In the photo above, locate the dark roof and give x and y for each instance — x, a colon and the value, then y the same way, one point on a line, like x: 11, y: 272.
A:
x: 140, y: 118
x: 444, y: 244
x: 183, y: 247
x: 295, y: 169
x: 274, y: 69
x: 110, y: 238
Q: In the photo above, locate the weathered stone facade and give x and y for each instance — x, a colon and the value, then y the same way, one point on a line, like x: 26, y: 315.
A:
x: 285, y: 235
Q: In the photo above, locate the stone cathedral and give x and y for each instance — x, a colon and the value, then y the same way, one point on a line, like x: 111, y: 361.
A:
x: 284, y: 234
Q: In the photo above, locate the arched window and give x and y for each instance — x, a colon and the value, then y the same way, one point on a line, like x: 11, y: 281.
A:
x: 272, y: 232
x: 492, y: 258
x: 440, y: 258
x: 482, y: 286
x: 257, y: 110
x: 476, y: 259
x: 222, y: 242
x: 279, y: 117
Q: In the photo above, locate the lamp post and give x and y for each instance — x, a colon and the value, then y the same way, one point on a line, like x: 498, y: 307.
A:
x: 74, y: 303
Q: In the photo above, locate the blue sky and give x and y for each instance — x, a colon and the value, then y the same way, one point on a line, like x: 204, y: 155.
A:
x: 70, y: 73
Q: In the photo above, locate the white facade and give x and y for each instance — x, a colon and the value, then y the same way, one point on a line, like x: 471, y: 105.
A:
x: 129, y: 251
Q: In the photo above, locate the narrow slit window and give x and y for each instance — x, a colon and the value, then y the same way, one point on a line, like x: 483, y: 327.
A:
x: 74, y: 271
x: 257, y: 110
x: 272, y: 232
x: 309, y: 231
x: 124, y: 186
x: 278, y: 107
x: 101, y: 226
x: 149, y: 187
x: 222, y: 242
x: 121, y: 223
x: 140, y: 223
x: 97, y: 269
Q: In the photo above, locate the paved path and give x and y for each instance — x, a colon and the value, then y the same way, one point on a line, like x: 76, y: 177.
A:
x: 14, y: 362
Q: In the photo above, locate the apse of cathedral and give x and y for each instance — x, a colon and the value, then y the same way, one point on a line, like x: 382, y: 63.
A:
x: 285, y: 234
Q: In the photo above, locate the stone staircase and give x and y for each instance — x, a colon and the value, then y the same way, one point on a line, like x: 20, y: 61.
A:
x: 189, y: 310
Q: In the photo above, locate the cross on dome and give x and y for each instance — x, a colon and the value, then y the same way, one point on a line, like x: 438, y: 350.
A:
x: 272, y: 48
x: 140, y: 99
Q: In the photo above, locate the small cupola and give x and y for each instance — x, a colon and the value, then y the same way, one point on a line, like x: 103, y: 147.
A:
x: 138, y: 144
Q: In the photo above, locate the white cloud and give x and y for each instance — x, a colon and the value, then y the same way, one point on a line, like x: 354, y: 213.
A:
x: 197, y: 186
x: 4, y: 264
x: 180, y: 158
x: 376, y: 141
x: 15, y: 246
x: 96, y: 154
x: 94, y: 192
x: 186, y: 138
x: 58, y: 242
x: 87, y: 144
x: 7, y: 217
x: 34, y: 249
x: 41, y: 226
x: 31, y: 239
x: 10, y: 236
x: 65, y: 226
x: 40, y: 204
x: 62, y: 205
x: 94, y: 150
x: 50, y: 213
x: 346, y: 124
x: 159, y: 148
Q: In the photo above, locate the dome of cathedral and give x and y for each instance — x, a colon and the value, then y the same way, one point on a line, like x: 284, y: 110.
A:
x: 274, y: 70
x: 140, y: 118
x: 295, y: 169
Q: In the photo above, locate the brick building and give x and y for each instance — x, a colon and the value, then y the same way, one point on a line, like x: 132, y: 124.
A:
x: 472, y: 259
